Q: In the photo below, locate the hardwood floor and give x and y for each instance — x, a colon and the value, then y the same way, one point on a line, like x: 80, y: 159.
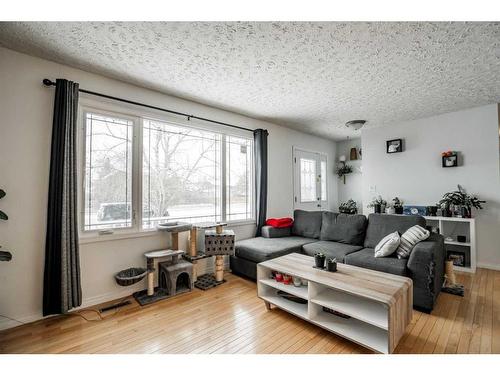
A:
x: 231, y: 319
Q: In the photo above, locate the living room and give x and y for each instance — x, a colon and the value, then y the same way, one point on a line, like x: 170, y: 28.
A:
x: 250, y: 187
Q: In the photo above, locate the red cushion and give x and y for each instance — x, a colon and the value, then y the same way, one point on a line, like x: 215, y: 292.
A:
x: 283, y: 222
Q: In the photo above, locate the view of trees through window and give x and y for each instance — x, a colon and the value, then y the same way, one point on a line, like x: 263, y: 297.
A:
x: 181, y: 174
x: 187, y: 174
x: 108, y: 172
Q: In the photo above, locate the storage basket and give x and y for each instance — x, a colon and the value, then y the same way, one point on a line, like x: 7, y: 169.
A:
x: 130, y: 276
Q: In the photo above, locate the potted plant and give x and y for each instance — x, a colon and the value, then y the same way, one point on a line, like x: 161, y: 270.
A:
x: 460, y: 201
x: 350, y: 207
x: 331, y: 265
x: 343, y: 169
x: 398, y: 206
x: 319, y: 260
x: 4, y: 255
x: 378, y: 204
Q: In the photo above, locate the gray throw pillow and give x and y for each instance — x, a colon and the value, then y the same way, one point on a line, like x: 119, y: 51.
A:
x: 409, y: 239
x: 387, y: 245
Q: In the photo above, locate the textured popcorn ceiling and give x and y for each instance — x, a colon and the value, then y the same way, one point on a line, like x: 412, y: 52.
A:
x: 309, y: 76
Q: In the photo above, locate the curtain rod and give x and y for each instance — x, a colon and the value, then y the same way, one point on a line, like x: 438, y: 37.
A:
x: 47, y: 82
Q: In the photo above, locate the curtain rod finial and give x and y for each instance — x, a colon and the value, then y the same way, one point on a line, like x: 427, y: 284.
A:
x: 47, y: 82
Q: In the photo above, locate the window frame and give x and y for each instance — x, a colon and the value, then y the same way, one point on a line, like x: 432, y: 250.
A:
x: 137, y: 116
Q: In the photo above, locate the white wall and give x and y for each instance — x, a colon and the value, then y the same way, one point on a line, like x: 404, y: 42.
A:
x: 416, y: 175
x: 25, y: 132
x: 353, y: 188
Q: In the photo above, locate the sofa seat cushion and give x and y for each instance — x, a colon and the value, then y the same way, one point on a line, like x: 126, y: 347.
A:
x: 306, y: 223
x: 349, y: 229
x: 260, y: 249
x: 380, y: 225
x: 366, y: 258
x: 330, y: 249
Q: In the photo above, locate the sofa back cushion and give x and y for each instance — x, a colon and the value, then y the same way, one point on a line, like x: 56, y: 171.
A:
x: 380, y: 225
x: 343, y: 228
x: 306, y: 223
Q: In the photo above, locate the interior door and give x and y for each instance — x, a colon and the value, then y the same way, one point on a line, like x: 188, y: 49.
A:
x: 310, y: 180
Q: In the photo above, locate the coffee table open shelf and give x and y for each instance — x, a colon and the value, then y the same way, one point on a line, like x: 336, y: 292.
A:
x: 379, y: 305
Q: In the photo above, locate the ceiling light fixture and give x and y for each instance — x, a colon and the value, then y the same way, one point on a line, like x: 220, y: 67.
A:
x: 355, y: 124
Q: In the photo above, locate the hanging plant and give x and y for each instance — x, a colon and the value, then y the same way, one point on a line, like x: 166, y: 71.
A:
x: 343, y: 170
x: 4, y: 255
x: 3, y: 215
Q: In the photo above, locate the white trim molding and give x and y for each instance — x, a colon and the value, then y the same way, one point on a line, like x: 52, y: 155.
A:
x: 489, y: 266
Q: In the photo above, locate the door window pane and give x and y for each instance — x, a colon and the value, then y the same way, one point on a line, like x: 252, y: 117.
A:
x: 323, y: 181
x: 307, y: 180
x: 108, y: 172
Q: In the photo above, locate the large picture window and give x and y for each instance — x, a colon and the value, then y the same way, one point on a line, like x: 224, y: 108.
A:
x: 181, y: 173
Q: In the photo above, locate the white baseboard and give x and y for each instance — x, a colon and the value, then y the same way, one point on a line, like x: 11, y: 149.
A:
x: 203, y: 267
x: 111, y: 296
x: 490, y: 266
x: 6, y: 323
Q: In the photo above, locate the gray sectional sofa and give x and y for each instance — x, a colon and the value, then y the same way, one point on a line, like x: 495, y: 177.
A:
x: 351, y: 239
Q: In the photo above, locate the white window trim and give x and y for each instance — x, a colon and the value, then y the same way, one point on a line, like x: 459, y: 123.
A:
x: 137, y: 116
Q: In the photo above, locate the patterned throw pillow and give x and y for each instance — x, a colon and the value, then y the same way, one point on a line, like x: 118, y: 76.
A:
x: 387, y: 245
x: 409, y: 239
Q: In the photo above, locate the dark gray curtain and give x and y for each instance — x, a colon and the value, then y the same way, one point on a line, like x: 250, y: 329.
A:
x: 260, y: 145
x: 61, y: 284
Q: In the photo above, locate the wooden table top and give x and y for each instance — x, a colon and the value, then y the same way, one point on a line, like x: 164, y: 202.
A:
x: 379, y: 286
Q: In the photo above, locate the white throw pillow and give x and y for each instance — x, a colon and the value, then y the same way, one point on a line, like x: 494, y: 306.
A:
x: 409, y: 239
x: 387, y: 245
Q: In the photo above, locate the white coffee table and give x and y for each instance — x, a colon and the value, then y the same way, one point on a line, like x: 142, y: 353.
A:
x: 380, y: 305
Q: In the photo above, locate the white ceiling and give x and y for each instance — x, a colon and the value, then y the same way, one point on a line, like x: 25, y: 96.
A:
x: 309, y: 76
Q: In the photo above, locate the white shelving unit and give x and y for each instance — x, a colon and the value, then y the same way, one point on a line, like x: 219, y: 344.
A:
x: 453, y: 226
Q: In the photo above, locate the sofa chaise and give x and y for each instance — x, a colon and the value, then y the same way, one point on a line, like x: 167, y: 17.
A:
x: 351, y: 239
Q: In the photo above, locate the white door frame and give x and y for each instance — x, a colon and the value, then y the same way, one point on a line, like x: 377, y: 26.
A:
x: 323, y: 205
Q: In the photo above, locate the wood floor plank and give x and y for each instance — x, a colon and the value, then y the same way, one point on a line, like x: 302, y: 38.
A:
x: 231, y: 319
x: 477, y: 326
x: 456, y: 329
x: 466, y: 332
x: 440, y: 313
x: 444, y: 335
x: 495, y: 330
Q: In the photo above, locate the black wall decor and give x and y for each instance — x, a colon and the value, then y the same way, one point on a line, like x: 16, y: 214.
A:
x: 394, y: 145
x: 449, y: 159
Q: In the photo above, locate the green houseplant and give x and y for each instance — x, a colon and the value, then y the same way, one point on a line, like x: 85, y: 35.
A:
x: 319, y: 260
x: 350, y: 207
x: 398, y: 205
x: 378, y: 204
x: 343, y: 170
x: 4, y: 255
x: 459, y: 199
